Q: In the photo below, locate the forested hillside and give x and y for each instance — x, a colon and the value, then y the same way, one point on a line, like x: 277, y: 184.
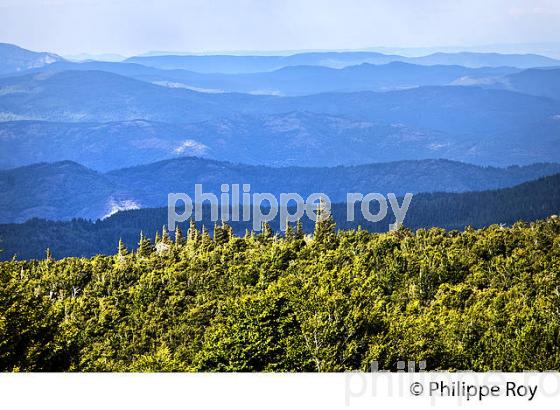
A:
x: 303, y: 139
x: 528, y: 202
x: 473, y: 300
x: 66, y: 190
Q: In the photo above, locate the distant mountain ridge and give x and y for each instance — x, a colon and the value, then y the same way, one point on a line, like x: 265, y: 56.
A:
x: 297, y: 74
x: 99, y: 96
x: 310, y: 79
x: 474, y: 60
x: 249, y: 64
x: 14, y: 59
x: 542, y: 82
x: 66, y: 190
x: 300, y: 80
x: 112, y: 115
x: 286, y: 139
x: 52, y: 116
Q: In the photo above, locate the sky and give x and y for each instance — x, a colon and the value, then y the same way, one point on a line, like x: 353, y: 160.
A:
x: 130, y: 27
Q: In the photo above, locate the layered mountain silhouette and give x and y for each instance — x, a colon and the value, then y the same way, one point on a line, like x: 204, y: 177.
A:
x: 304, y: 80
x: 474, y: 124
x: 309, y: 122
x: 248, y: 64
x: 299, y: 80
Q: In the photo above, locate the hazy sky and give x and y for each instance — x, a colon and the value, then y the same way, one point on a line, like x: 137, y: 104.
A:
x: 131, y: 27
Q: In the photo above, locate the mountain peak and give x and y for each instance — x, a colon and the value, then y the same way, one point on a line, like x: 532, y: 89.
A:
x: 14, y: 59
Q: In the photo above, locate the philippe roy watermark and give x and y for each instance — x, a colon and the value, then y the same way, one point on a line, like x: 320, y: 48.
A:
x: 237, y: 203
x: 412, y: 380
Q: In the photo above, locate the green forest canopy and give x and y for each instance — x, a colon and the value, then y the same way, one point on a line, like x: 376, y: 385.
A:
x: 480, y: 300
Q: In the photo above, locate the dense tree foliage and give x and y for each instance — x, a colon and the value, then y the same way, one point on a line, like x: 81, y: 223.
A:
x: 481, y: 300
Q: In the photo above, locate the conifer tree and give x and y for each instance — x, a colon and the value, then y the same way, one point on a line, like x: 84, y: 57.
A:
x: 229, y: 230
x: 163, y: 242
x: 48, y: 257
x: 325, y: 225
x: 218, y: 237
x: 122, y: 248
x: 290, y: 234
x: 266, y: 231
x: 145, y: 247
x: 205, y: 239
x: 299, y: 234
x: 165, y: 235
x: 222, y: 234
x: 192, y: 233
x: 178, y: 236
